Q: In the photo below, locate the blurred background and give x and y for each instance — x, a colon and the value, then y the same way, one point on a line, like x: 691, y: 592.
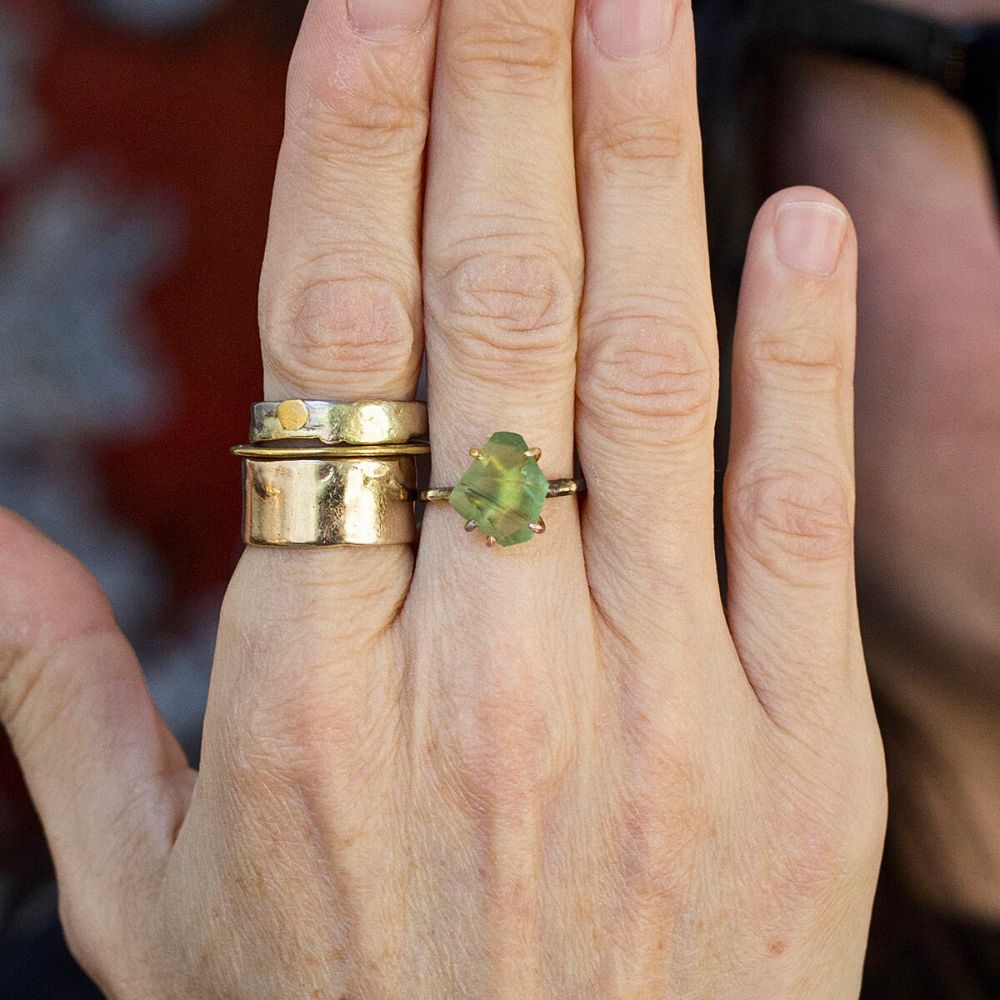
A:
x: 137, y: 147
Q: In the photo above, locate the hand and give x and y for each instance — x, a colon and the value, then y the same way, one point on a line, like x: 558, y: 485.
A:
x: 565, y: 769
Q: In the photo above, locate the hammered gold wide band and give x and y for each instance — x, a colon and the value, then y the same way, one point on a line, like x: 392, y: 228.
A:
x: 320, y: 474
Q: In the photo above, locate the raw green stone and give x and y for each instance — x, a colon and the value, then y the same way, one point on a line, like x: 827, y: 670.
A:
x: 503, y: 491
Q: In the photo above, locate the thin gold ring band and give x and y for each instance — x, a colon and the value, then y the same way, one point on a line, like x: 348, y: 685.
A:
x: 289, y: 453
x: 557, y: 488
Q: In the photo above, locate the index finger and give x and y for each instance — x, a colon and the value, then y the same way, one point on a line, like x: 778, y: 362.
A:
x: 340, y: 312
x: 340, y: 298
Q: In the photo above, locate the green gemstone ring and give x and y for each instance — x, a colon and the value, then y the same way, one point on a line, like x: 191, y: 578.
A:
x: 502, y: 493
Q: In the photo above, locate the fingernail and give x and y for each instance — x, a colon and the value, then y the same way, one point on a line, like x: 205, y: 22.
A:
x: 387, y: 20
x: 809, y: 236
x: 626, y: 29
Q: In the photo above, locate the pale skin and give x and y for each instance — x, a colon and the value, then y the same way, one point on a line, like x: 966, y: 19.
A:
x: 560, y: 770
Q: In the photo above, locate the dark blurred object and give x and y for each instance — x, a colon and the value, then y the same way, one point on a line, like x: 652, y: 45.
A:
x: 918, y: 953
x: 963, y: 59
x: 279, y: 19
x: 153, y: 15
x: 41, y: 968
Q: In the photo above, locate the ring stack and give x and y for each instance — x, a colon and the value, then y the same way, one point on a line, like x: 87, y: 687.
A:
x: 320, y: 474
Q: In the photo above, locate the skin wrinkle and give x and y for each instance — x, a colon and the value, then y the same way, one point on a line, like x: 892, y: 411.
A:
x: 527, y: 295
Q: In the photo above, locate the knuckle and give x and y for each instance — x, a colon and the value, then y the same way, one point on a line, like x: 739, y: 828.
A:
x: 42, y: 686
x: 820, y: 852
x: 505, y: 314
x: 314, y: 726
x: 653, y: 370
x: 807, y: 358
x: 381, y: 117
x: 506, y: 762
x: 805, y: 516
x: 826, y: 823
x: 276, y: 746
x: 665, y: 815
x: 351, y: 330
x: 812, y: 861
x: 334, y: 745
x: 641, y: 143
x: 519, y: 56
x: 507, y: 750
x: 657, y: 858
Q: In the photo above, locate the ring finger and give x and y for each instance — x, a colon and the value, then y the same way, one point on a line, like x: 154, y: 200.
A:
x: 648, y: 367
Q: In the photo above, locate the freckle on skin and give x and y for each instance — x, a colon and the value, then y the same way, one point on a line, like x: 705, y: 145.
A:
x: 777, y: 947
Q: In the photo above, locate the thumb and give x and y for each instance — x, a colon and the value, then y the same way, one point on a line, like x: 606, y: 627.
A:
x: 109, y: 781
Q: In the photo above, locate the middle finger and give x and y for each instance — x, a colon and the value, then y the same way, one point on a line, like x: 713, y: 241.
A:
x: 499, y: 692
x: 503, y: 251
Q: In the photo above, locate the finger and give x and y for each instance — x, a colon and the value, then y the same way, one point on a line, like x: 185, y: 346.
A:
x: 298, y: 675
x: 340, y: 290
x: 646, y: 390
x: 502, y: 245
x: 502, y: 279
x: 789, y: 495
x: 304, y: 686
x: 648, y: 360
x: 109, y: 781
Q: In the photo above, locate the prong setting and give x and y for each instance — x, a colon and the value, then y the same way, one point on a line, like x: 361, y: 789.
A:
x: 538, y: 529
x: 502, y: 492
